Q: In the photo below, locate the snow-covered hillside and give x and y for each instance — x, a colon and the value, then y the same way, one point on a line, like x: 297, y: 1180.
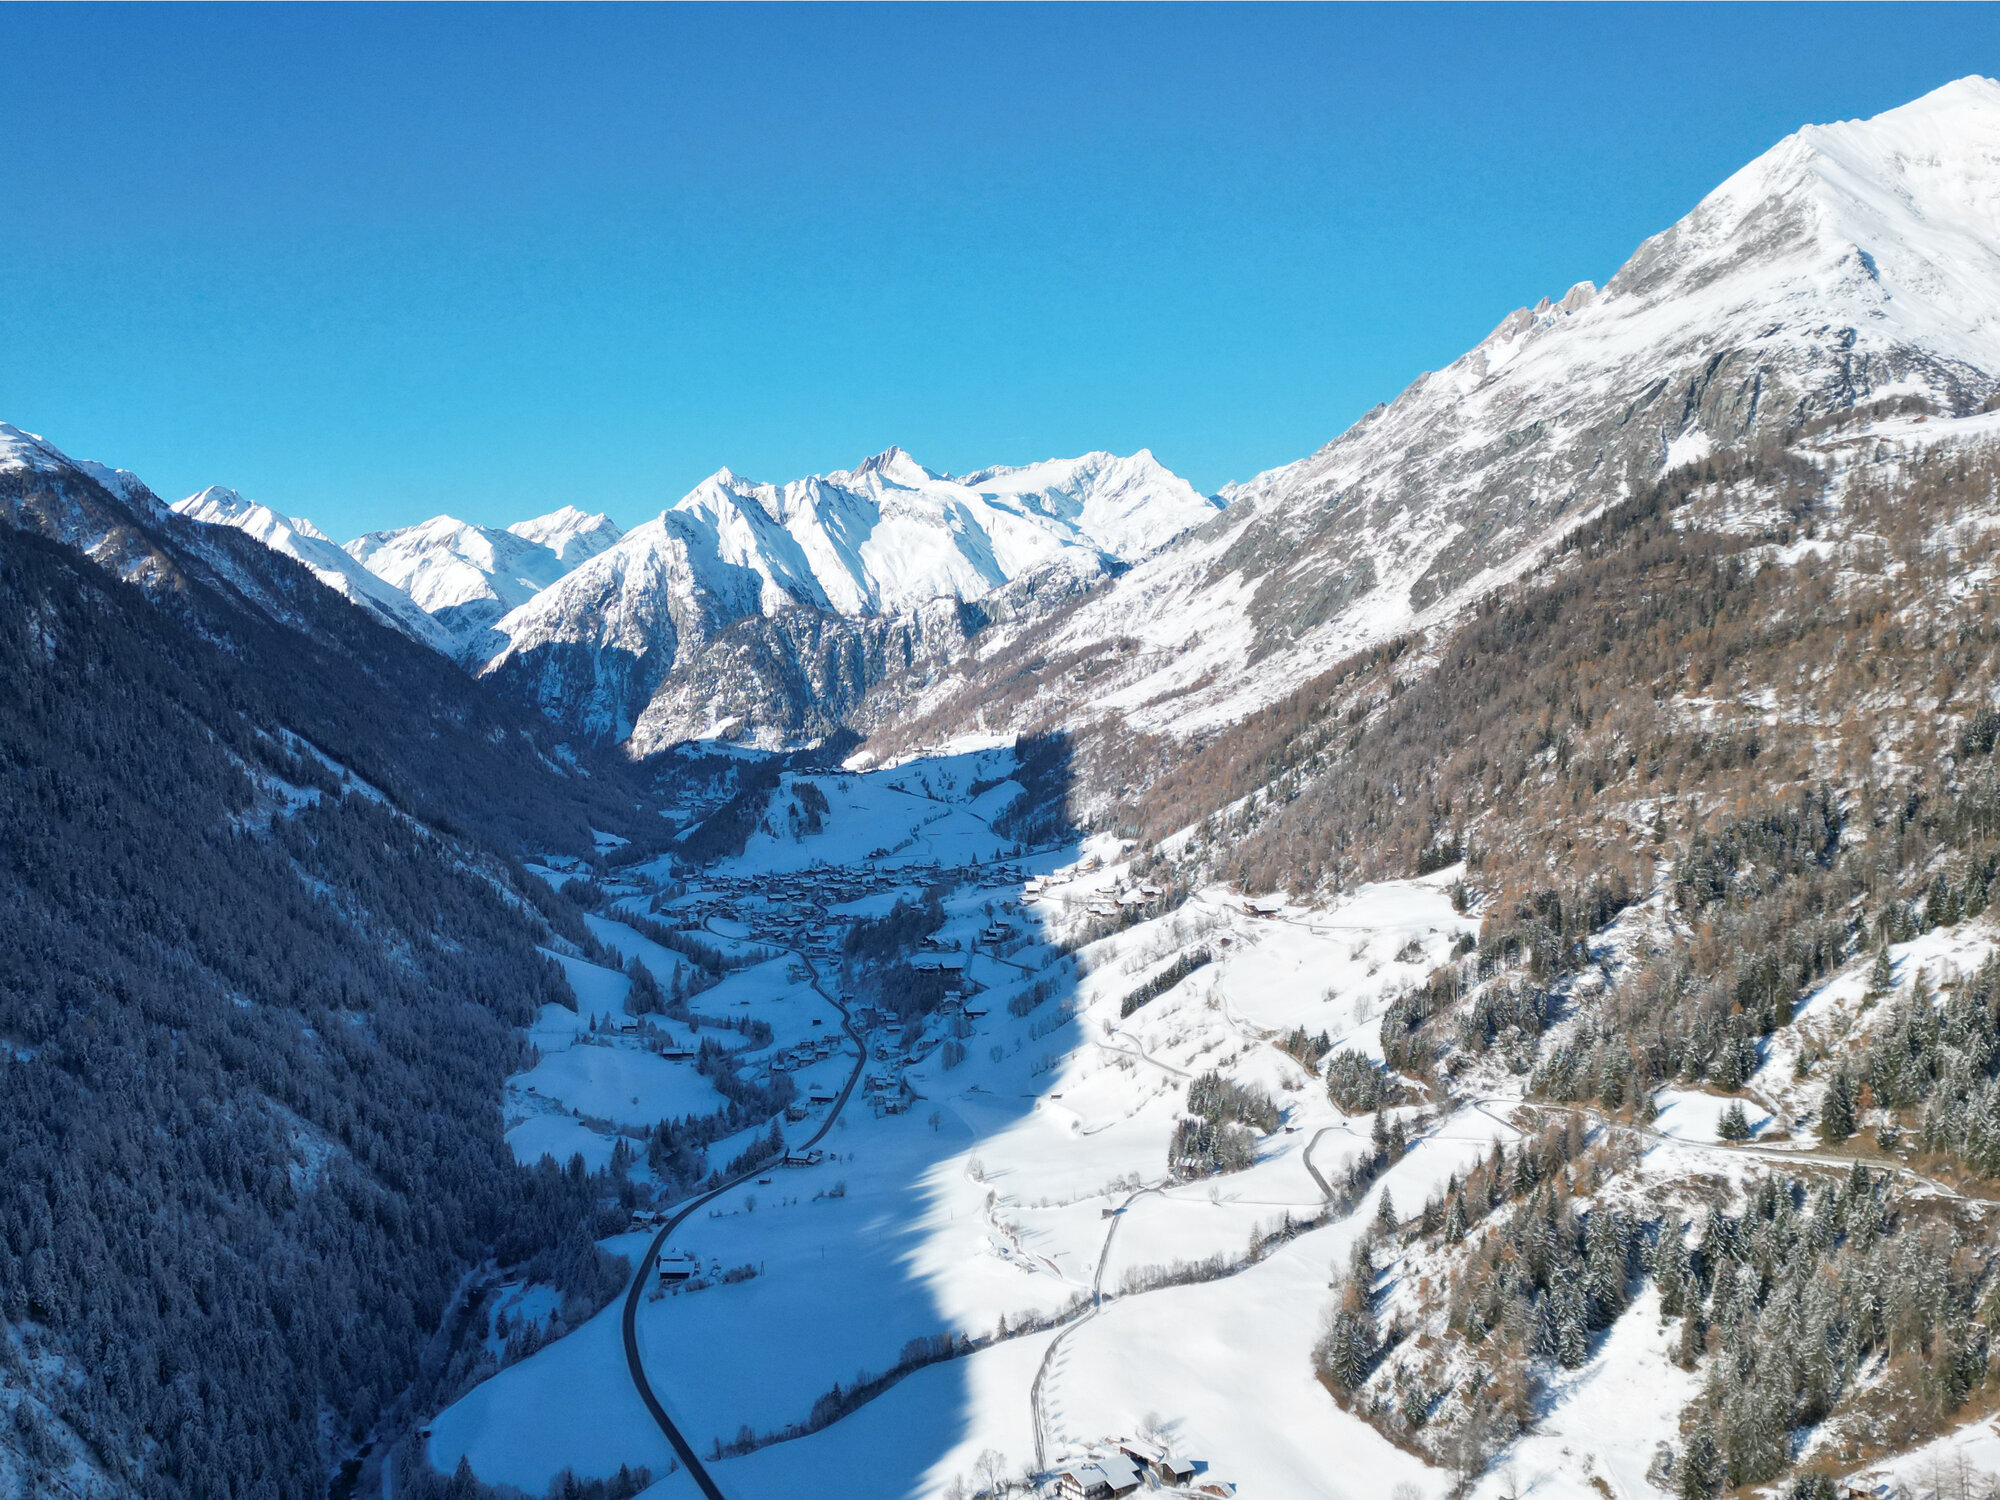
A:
x: 300, y: 539
x: 879, y: 544
x: 1851, y: 266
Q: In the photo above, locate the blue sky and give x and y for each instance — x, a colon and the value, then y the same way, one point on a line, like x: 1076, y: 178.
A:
x: 368, y: 264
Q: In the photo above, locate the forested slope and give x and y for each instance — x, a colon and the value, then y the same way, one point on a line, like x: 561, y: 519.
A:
x: 253, y: 1022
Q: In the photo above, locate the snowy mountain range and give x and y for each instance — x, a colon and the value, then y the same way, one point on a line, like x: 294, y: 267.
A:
x: 463, y: 576
x: 1852, y: 268
x: 834, y: 582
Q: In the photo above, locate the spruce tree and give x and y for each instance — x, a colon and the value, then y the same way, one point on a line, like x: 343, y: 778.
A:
x: 1881, y: 977
x: 1735, y: 1125
x: 1454, y: 1219
x: 1386, y: 1221
x: 1699, y: 1473
x: 1837, y: 1109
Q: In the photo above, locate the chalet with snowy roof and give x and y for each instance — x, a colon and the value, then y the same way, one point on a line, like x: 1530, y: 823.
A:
x: 675, y: 1267
x: 1098, y: 1478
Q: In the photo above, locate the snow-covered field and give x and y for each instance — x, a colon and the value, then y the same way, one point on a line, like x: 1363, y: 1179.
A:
x: 592, y: 1077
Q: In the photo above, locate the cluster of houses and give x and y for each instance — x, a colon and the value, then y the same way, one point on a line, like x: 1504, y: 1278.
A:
x: 950, y: 965
x: 804, y: 1054
x: 1101, y: 903
x: 1125, y: 1466
x: 888, y: 1092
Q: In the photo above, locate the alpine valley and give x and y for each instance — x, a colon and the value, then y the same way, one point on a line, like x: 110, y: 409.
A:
x: 1467, y: 964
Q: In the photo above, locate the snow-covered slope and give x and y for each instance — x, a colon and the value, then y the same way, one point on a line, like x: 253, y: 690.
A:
x: 858, y: 551
x: 300, y: 539
x: 573, y: 535
x: 29, y: 452
x: 1852, y: 265
x: 464, y: 576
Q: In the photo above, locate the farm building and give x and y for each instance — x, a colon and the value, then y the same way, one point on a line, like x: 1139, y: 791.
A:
x: 676, y: 1267
x: 1098, y: 1478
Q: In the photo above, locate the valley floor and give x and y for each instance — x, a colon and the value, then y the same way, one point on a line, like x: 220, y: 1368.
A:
x: 1009, y: 1206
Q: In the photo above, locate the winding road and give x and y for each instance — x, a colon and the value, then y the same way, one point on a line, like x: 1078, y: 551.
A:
x: 684, y: 1450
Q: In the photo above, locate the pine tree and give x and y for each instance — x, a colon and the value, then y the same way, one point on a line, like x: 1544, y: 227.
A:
x: 1672, y: 1269
x: 1454, y: 1219
x: 1687, y: 1353
x: 1881, y: 977
x: 1837, y: 1109
x: 1699, y: 1472
x: 1386, y: 1221
x: 1605, y: 1268
x: 1348, y: 1349
x: 1735, y: 1125
x: 1568, y: 1331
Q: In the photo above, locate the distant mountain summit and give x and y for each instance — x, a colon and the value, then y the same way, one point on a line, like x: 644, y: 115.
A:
x: 464, y: 576
x: 300, y: 539
x: 842, y: 580
x: 575, y: 536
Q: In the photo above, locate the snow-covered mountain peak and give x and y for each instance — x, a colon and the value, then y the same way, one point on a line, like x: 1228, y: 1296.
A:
x: 1891, y: 224
x: 27, y: 450
x: 466, y: 576
x: 20, y: 449
x: 304, y: 542
x: 1852, y: 265
x: 573, y: 534
x: 219, y: 505
x: 893, y: 465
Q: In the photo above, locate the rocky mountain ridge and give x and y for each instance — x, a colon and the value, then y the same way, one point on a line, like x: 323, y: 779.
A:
x: 1852, y: 270
x: 819, y: 591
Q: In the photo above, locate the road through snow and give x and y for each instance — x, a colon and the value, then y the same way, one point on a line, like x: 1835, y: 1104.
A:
x: 633, y: 1363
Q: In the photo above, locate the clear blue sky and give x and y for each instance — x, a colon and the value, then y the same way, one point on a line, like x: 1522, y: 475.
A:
x: 368, y: 264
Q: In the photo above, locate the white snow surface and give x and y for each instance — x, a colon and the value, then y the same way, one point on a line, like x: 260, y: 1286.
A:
x: 467, y: 576
x: 993, y: 1198
x: 575, y: 536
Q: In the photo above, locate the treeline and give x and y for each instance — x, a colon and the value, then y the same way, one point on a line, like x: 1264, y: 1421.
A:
x: 1166, y: 979
x: 1357, y: 1085
x: 726, y: 831
x: 1934, y: 1061
x: 1786, y: 1305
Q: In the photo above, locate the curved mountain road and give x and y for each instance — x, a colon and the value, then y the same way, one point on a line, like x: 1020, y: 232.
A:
x: 634, y: 1365
x: 1096, y: 1301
